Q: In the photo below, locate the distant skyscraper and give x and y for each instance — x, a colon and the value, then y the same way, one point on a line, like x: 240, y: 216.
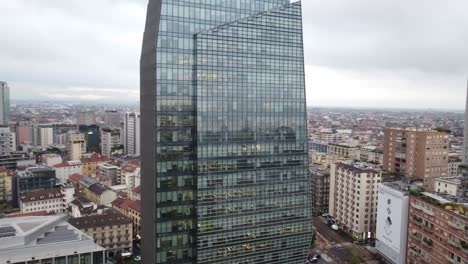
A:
x: 86, y: 118
x: 132, y: 133
x: 110, y: 139
x: 112, y: 119
x: 224, y: 148
x: 465, y: 132
x: 4, y: 103
x: 76, y: 145
x: 43, y: 136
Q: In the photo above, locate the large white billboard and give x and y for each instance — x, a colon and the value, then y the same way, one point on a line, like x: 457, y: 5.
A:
x: 392, y: 222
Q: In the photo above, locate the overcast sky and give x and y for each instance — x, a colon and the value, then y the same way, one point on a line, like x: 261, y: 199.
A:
x: 359, y: 53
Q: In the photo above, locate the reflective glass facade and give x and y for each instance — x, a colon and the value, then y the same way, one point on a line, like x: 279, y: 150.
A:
x: 224, y: 154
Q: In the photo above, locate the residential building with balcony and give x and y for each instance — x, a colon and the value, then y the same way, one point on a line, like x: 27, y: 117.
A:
x: 90, y: 164
x: 109, y: 229
x: 110, y: 171
x: 49, y: 200
x: 437, y: 229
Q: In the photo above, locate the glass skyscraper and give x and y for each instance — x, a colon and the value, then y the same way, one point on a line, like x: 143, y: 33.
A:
x: 223, y: 120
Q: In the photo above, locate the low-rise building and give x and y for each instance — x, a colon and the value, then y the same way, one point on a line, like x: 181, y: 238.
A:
x: 100, y: 194
x: 110, y: 171
x: 343, y: 150
x: 110, y: 229
x: 81, y: 207
x: 90, y: 164
x: 50, y: 200
x: 448, y: 185
x: 353, y: 198
x: 65, y: 169
x: 131, y: 209
x: 51, y: 159
x: 371, y: 154
x: 131, y: 175
x: 46, y: 240
x: 437, y: 230
x: 135, y: 194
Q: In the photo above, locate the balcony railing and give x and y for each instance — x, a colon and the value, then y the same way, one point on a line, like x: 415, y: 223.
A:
x: 456, y: 225
x: 454, y: 243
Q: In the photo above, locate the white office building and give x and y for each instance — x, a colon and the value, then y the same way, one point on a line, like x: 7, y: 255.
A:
x: 132, y: 134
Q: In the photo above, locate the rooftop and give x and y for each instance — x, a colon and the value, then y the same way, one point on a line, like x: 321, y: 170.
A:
x: 109, y: 217
x: 88, y: 181
x: 68, y: 164
x: 41, y: 195
x: 452, y: 179
x: 39, y: 237
x: 358, y: 167
x: 76, y: 177
x: 458, y: 205
x: 95, y: 158
x: 99, y: 188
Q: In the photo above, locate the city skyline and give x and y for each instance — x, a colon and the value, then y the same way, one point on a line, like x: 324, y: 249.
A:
x: 356, y: 55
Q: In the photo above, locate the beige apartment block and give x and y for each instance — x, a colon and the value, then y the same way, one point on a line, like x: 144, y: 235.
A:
x: 353, y: 198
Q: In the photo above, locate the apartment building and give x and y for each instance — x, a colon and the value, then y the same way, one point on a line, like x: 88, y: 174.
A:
x: 131, y: 209
x: 371, y: 154
x: 51, y: 159
x: 109, y: 229
x: 343, y: 150
x: 49, y: 200
x: 76, y: 145
x: 453, y: 164
x: 100, y: 194
x: 90, y: 164
x: 65, y: 169
x: 3, y: 183
x: 437, y: 229
x: 353, y: 198
x: 110, y: 171
x: 416, y: 153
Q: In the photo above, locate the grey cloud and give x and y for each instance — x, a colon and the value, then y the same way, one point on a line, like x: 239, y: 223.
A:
x: 53, y: 48
x: 51, y: 43
x: 424, y: 35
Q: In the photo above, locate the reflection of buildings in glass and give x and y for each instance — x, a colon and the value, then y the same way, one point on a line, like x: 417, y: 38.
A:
x: 230, y: 139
